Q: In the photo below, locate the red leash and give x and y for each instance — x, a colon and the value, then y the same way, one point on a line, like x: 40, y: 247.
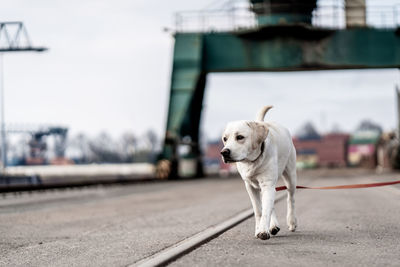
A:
x: 349, y: 186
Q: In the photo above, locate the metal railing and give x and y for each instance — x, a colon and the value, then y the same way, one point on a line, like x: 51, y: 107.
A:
x: 237, y: 15
x: 233, y: 16
x: 334, y: 16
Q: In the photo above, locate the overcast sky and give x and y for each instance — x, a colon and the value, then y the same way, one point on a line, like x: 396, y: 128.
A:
x: 108, y: 68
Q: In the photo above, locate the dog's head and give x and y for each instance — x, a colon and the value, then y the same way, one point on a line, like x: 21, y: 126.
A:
x: 242, y: 140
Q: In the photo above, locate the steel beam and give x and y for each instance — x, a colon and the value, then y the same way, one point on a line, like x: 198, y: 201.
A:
x: 301, y: 48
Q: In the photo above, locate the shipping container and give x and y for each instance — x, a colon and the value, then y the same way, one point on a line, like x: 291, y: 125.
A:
x: 330, y: 150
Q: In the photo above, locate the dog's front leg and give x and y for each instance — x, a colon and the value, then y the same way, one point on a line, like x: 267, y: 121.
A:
x: 255, y: 200
x: 267, y: 203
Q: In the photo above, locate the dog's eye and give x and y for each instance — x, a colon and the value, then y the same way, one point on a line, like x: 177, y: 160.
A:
x: 239, y: 137
x: 225, y: 139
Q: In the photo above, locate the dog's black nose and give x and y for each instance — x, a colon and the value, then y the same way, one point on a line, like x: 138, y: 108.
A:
x: 225, y: 152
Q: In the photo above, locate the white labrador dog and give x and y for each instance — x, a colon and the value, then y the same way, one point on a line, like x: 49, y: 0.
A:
x: 263, y: 152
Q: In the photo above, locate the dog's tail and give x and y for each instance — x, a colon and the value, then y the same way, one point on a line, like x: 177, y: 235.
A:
x: 262, y: 112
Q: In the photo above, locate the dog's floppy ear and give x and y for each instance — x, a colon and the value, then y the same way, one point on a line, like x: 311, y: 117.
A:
x: 260, y: 132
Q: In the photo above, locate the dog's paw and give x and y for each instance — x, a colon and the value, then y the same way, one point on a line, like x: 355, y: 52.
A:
x: 292, y: 225
x: 274, y: 230
x: 263, y: 235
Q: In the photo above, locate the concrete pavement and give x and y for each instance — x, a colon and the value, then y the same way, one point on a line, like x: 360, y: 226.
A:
x: 111, y: 226
x: 336, y: 228
x: 119, y: 225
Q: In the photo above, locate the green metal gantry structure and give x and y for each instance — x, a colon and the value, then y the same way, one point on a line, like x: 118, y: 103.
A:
x: 283, y: 40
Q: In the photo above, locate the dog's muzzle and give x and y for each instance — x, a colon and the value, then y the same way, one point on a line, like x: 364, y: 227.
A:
x: 226, y: 155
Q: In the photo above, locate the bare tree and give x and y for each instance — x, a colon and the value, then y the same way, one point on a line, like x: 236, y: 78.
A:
x: 77, y: 148
x: 104, y: 149
x: 128, y: 146
x: 151, y: 140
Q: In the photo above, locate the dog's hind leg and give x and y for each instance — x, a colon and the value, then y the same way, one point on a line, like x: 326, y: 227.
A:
x: 290, y: 180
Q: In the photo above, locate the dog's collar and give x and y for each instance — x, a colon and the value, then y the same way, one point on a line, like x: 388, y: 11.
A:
x: 262, y: 151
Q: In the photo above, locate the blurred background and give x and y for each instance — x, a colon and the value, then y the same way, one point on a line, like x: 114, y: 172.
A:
x: 107, y: 90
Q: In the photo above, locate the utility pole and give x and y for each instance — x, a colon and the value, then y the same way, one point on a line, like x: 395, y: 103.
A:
x: 13, y: 38
x: 2, y: 123
x: 398, y: 110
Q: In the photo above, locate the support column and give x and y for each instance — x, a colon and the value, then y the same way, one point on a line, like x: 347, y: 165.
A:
x: 185, y: 104
x: 356, y: 13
